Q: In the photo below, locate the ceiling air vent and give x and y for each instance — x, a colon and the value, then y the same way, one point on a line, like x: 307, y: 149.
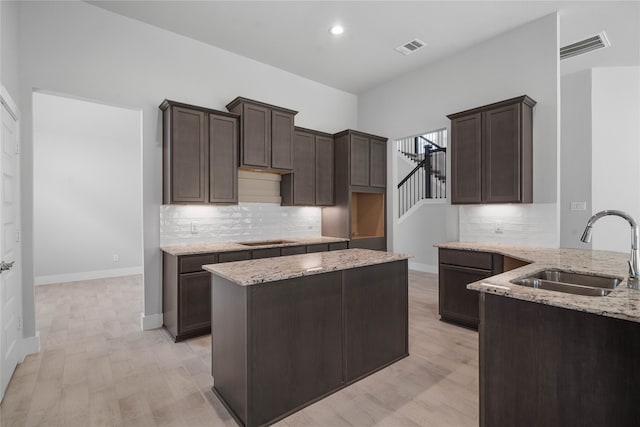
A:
x: 598, y: 41
x: 411, y: 46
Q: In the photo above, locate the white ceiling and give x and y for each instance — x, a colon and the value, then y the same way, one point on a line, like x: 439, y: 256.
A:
x: 293, y: 35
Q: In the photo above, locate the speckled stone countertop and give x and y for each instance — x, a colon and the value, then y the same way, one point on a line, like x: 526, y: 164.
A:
x: 204, y: 248
x: 264, y: 270
x: 621, y: 303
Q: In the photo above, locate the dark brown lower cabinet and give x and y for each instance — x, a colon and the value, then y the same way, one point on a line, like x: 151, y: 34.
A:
x: 194, y: 295
x: 457, y: 269
x: 550, y: 366
x: 186, y: 287
x: 283, y: 345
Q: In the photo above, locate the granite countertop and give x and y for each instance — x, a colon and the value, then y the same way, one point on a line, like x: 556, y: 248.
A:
x: 204, y: 248
x: 621, y: 303
x: 252, y: 272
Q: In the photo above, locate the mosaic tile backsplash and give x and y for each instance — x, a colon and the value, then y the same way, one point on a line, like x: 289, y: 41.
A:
x: 236, y: 223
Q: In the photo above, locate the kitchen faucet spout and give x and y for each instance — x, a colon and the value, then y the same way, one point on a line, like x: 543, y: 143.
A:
x: 634, y: 260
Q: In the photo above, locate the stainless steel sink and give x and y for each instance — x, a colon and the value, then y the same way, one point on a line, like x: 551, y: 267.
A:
x: 570, y: 282
x: 266, y: 243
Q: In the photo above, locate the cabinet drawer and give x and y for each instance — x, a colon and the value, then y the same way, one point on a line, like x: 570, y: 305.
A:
x: 265, y: 253
x: 322, y: 247
x: 293, y: 250
x: 338, y: 245
x: 472, y: 259
x: 234, y: 256
x: 193, y: 263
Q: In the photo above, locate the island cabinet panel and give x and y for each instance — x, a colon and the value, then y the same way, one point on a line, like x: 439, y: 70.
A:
x: 296, y: 335
x: 376, y: 329
x: 457, y: 269
x: 280, y: 346
x: 548, y: 366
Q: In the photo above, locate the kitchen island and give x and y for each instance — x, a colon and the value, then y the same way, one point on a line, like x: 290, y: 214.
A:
x: 288, y: 331
x: 553, y: 358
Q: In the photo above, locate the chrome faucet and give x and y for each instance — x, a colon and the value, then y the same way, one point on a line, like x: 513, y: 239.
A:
x: 634, y: 261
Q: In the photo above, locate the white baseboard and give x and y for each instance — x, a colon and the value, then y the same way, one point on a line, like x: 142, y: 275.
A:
x: 151, y: 321
x: 425, y: 268
x: 86, y: 275
x: 30, y: 345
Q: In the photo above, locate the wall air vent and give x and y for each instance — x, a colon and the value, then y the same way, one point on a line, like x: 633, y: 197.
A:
x: 411, y: 46
x: 599, y: 41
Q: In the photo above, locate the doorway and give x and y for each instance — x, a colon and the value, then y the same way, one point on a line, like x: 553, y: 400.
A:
x: 87, y: 184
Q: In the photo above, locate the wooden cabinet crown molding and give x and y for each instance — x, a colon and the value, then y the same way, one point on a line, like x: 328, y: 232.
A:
x: 524, y: 99
x: 240, y: 100
x: 169, y: 103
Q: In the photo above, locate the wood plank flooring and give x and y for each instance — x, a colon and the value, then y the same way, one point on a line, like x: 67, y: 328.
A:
x: 97, y: 368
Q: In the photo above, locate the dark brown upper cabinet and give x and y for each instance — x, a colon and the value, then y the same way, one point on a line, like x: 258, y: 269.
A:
x: 492, y: 153
x: 200, y: 151
x: 360, y: 181
x: 368, y: 160
x: 311, y: 183
x: 266, y: 135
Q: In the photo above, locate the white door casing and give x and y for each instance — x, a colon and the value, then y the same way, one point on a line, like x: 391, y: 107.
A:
x: 10, y: 279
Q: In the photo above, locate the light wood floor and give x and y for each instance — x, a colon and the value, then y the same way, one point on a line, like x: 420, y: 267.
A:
x: 97, y: 368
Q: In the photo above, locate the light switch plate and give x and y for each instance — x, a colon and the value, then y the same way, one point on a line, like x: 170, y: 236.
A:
x: 498, y: 227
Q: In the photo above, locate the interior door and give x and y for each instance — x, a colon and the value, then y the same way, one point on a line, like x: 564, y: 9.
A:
x: 10, y: 289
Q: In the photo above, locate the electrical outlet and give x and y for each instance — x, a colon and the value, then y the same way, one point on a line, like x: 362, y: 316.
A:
x: 578, y: 206
x: 498, y: 228
x: 116, y: 257
x: 194, y: 228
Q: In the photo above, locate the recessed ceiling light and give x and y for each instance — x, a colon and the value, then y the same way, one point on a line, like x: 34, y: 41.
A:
x: 336, y: 30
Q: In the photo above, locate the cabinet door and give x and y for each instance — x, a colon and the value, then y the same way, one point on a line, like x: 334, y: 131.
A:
x: 466, y: 159
x: 375, y: 301
x: 324, y: 171
x: 378, y: 164
x: 457, y: 303
x: 256, y: 138
x: 223, y: 159
x: 360, y: 161
x: 501, y: 155
x: 189, y: 156
x: 303, y: 169
x: 281, y: 140
x: 194, y: 300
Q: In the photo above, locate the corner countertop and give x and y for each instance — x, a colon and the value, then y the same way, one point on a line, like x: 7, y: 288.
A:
x: 621, y: 303
x: 206, y: 248
x: 253, y: 272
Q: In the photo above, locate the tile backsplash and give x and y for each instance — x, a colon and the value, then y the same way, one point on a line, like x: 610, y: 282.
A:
x: 528, y: 225
x: 234, y: 223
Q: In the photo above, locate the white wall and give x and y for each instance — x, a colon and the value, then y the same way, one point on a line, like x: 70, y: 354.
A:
x: 615, y: 123
x: 81, y: 50
x: 575, y: 170
x: 9, y: 46
x: 521, y: 61
x: 87, y: 188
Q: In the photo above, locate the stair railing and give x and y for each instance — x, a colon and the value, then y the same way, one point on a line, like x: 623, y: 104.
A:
x: 427, y: 180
